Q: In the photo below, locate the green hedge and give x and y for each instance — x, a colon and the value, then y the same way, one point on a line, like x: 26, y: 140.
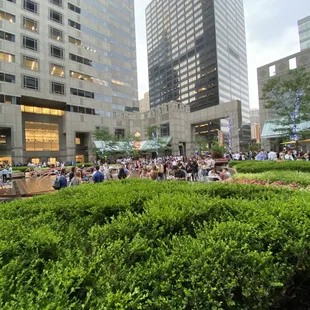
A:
x: 145, y: 245
x: 252, y: 166
x: 287, y: 177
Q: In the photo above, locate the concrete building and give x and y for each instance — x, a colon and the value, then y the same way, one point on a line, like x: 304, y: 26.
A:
x: 255, y: 125
x: 144, y: 103
x: 67, y: 67
x: 176, y: 121
x: 304, y: 33
x: 279, y: 68
x: 197, y: 56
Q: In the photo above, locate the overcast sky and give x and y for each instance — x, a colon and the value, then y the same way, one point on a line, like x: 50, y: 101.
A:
x: 271, y: 29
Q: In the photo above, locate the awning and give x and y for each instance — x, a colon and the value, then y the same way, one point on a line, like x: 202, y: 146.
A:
x: 121, y: 146
x: 272, y: 130
x: 151, y: 145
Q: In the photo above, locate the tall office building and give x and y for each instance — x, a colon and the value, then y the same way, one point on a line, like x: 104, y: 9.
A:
x: 304, y: 33
x: 67, y: 67
x: 197, y: 53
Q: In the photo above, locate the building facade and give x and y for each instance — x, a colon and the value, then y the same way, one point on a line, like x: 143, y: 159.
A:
x: 144, y: 103
x: 304, y: 33
x: 197, y: 56
x: 67, y: 67
x: 255, y: 125
x: 279, y: 68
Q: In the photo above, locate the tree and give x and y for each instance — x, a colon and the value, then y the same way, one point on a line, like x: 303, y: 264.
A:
x: 201, y: 144
x: 289, y: 99
x: 217, y: 150
x: 160, y: 143
x: 107, y: 143
x: 254, y: 147
x: 126, y: 145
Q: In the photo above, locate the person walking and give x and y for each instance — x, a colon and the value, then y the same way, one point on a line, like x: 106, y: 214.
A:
x: 98, y: 176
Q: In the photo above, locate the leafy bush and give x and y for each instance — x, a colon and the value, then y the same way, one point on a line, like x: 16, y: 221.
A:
x: 145, y: 245
x: 251, y: 166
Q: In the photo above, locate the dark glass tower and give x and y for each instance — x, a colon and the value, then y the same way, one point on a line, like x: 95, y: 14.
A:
x: 197, y: 53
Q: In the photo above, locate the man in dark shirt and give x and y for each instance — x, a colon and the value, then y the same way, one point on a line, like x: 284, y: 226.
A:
x: 179, y: 174
x: 62, y: 179
x: 98, y: 176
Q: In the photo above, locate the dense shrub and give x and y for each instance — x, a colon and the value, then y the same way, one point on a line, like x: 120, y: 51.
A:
x: 144, y: 245
x: 252, y: 166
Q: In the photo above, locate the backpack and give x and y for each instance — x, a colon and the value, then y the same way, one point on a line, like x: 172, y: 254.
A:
x: 122, y: 174
x: 56, y: 182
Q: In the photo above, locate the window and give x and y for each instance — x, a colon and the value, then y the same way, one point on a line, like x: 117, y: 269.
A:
x: 55, y: 16
x: 272, y: 70
x: 57, y: 70
x: 75, y: 41
x: 165, y: 130
x: 82, y: 93
x: 56, y: 34
x: 13, y: 1
x: 293, y: 63
x: 74, y: 8
x: 56, y: 2
x: 31, y: 82
x: 57, y: 52
x: 31, y: 6
x: 41, y: 136
x: 9, y: 78
x: 30, y: 43
x: 30, y: 24
x: 30, y: 63
x: 2, y: 139
x: 74, y: 24
x: 44, y: 111
x: 7, y: 36
x: 7, y: 57
x: 119, y: 133
x: 80, y: 59
x: 58, y: 88
x: 8, y: 99
x: 7, y: 16
x: 77, y: 140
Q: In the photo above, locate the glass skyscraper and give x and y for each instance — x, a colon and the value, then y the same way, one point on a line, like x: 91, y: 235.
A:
x: 304, y: 33
x: 197, y: 53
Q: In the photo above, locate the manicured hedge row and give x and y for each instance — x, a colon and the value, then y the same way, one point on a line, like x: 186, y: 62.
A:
x: 143, y: 245
x: 252, y: 166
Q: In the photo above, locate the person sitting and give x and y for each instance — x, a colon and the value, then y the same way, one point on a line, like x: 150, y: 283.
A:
x: 213, y: 176
x: 145, y: 174
x: 179, y: 174
x: 225, y: 174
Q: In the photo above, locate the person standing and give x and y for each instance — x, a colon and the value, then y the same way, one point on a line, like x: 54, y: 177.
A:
x: 10, y: 171
x: 76, y: 180
x: 62, y: 179
x: 4, y: 173
x: 98, y: 176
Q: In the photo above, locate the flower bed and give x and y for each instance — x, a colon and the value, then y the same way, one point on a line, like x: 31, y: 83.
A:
x: 145, y: 245
x: 281, y: 178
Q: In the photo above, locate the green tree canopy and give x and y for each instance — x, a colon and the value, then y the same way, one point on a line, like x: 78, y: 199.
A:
x: 289, y: 99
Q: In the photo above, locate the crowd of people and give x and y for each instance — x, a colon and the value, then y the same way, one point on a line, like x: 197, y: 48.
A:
x: 190, y: 169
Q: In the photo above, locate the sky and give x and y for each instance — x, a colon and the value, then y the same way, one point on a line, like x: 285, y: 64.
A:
x: 271, y: 31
